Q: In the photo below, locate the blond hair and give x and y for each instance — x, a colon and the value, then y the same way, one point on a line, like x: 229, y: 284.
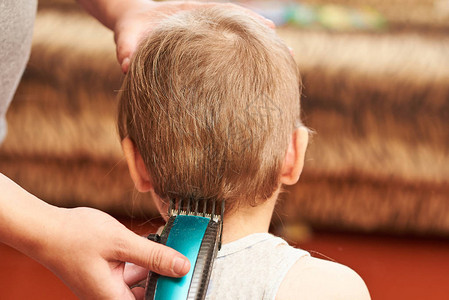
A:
x: 211, y: 100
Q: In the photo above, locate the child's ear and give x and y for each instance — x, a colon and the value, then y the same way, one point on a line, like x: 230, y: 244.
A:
x: 294, y: 158
x: 136, y: 166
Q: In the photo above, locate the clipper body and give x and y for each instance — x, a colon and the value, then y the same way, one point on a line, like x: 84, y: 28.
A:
x: 197, y: 235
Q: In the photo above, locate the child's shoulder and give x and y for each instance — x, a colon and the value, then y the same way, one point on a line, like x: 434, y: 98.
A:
x: 314, y: 278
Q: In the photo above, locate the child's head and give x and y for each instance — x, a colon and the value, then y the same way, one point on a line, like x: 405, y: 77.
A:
x: 211, y: 101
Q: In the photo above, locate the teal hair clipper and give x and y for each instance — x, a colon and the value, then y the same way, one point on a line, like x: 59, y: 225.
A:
x: 196, y: 233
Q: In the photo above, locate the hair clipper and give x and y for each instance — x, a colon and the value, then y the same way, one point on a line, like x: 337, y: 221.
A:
x: 196, y: 233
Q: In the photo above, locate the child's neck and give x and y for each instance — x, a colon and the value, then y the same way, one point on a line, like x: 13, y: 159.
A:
x: 248, y: 220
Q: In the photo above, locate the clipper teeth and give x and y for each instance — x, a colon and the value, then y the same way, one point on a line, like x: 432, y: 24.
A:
x: 180, y: 207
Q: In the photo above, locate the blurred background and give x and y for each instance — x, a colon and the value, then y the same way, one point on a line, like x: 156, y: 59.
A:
x: 374, y: 194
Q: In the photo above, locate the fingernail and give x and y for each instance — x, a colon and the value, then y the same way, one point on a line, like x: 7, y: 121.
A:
x: 180, y: 266
x: 270, y: 23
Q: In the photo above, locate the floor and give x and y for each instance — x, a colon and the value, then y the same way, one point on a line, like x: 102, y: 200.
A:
x: 393, y: 268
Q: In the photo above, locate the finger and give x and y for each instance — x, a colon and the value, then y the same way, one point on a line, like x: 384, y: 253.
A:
x: 133, y: 274
x: 138, y: 292
x: 291, y: 51
x: 107, y: 285
x: 126, y: 43
x: 125, y: 65
x: 153, y: 256
x: 266, y: 21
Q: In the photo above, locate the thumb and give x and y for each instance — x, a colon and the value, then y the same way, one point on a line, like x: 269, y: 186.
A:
x: 153, y: 256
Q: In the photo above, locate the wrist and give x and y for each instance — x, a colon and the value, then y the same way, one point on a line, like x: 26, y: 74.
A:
x: 49, y: 229
x: 26, y: 221
x: 43, y: 228
x: 109, y: 12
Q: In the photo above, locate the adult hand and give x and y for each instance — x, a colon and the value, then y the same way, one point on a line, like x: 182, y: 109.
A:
x: 85, y: 247
x: 131, y: 19
x: 138, y: 17
x: 89, y: 249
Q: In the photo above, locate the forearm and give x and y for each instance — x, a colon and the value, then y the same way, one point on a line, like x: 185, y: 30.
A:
x: 25, y: 220
x: 109, y: 11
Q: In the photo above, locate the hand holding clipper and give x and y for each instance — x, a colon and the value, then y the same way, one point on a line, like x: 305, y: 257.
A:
x: 197, y: 235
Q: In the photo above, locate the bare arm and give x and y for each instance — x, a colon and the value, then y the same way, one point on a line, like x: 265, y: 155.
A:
x: 85, y: 247
x: 317, y: 279
x: 24, y: 218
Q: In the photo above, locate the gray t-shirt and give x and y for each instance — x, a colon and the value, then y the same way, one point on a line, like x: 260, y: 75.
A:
x: 252, y: 267
x: 16, y: 31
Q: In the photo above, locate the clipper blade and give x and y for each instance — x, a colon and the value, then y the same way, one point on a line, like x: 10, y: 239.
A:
x: 194, y: 207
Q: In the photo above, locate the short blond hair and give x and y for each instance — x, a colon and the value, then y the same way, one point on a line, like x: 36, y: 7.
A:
x: 211, y: 100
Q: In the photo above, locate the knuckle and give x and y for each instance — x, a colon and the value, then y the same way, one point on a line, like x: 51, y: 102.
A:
x: 156, y: 259
x: 121, y: 249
